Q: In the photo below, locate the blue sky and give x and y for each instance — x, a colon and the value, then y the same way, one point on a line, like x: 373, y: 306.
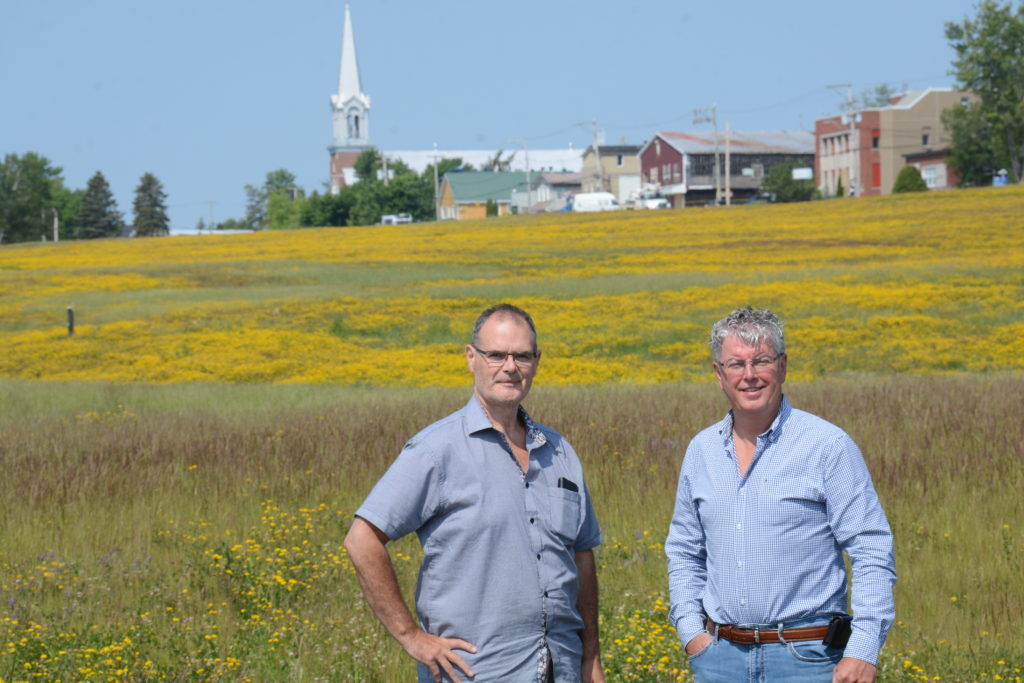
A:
x: 210, y: 95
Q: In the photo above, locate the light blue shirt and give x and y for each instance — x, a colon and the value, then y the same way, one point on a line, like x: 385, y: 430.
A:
x: 499, y: 545
x: 767, y: 548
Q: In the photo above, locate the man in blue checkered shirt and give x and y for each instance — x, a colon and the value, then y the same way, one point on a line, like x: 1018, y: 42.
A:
x: 769, y: 500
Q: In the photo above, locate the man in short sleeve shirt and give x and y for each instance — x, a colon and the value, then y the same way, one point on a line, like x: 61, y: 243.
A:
x: 769, y: 499
x: 508, y: 588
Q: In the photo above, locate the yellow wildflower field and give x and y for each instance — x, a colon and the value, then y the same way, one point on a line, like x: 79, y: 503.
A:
x: 923, y: 283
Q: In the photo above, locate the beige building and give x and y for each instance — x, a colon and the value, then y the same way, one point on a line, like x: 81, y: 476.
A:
x: 613, y: 168
x: 866, y: 154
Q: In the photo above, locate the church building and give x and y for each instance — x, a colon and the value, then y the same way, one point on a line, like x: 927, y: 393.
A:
x: 350, y: 111
x: 350, y: 114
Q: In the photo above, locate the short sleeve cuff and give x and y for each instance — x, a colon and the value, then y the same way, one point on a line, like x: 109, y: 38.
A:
x: 390, y: 530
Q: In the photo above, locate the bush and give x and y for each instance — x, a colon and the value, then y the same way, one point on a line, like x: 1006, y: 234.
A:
x: 909, y: 180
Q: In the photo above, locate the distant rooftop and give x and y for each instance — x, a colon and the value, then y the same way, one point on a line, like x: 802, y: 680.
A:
x: 757, y: 142
x: 479, y: 186
x: 567, y: 159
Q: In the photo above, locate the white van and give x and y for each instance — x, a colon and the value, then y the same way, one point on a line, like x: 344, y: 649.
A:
x: 595, y: 201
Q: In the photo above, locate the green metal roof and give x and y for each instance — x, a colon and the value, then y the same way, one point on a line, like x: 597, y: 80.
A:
x: 479, y: 186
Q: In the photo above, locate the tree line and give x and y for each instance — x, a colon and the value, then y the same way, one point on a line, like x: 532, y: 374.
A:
x: 35, y: 204
x: 384, y: 187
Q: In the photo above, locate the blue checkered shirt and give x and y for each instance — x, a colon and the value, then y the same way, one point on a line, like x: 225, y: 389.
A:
x: 767, y: 548
x: 499, y: 544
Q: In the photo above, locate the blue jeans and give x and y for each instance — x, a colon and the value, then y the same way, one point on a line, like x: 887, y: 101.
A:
x: 804, y: 661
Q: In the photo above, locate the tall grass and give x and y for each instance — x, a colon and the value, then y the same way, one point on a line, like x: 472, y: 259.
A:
x: 194, y: 532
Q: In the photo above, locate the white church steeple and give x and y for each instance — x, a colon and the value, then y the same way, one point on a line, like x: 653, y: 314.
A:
x: 350, y: 109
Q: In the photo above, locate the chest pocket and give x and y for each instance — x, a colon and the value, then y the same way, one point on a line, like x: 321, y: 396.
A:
x: 564, y: 511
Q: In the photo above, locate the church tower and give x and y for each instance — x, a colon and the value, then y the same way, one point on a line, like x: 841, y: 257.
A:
x: 350, y: 111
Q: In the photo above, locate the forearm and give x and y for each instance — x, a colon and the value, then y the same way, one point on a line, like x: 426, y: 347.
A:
x: 369, y: 555
x: 587, y: 603
x: 687, y: 576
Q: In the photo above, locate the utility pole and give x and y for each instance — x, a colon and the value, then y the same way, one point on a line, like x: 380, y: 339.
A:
x: 705, y: 115
x: 437, y: 198
x: 210, y: 203
x: 728, y: 165
x: 56, y: 233
x: 854, y: 146
x: 526, y: 148
x: 385, y: 161
x: 598, y: 139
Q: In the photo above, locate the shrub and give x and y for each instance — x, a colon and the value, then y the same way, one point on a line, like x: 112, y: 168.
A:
x: 909, y: 180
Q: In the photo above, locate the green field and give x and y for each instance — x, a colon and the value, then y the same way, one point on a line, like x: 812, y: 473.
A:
x: 194, y: 532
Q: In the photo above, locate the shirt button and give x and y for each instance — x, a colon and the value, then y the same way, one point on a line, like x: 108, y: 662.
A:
x: 740, y: 563
x: 739, y: 526
x: 538, y: 556
x: 743, y: 602
x: 527, y: 484
x: 531, y: 520
x: 545, y: 594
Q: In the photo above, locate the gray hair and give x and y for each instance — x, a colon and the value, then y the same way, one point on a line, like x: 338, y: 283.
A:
x: 752, y: 327
x: 504, y: 310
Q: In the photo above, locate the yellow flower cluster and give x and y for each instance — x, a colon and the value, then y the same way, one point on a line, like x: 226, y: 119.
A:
x: 925, y: 284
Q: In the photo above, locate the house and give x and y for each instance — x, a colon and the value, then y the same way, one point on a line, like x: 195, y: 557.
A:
x: 464, y: 194
x: 682, y: 165
x: 549, y: 191
x: 937, y: 174
x: 865, y: 152
x: 611, y: 168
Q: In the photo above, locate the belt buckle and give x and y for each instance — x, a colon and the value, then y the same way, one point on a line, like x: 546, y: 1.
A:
x: 757, y: 635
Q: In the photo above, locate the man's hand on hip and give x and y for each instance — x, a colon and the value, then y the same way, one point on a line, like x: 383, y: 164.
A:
x: 852, y: 670
x: 439, y: 653
x: 697, y: 643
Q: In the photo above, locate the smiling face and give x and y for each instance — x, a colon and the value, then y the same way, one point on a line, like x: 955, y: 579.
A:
x: 755, y: 393
x: 505, y: 385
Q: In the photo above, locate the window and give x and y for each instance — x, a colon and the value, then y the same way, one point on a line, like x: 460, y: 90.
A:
x: 876, y: 175
x: 677, y: 172
x: 619, y: 160
x: 876, y: 136
x: 930, y: 176
x: 925, y: 139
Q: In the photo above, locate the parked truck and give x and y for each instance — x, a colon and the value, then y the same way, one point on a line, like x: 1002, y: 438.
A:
x: 595, y: 201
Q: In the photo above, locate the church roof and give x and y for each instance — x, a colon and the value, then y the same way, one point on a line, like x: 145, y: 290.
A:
x: 349, y: 83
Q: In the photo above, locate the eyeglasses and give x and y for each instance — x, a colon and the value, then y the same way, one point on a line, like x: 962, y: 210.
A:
x: 523, y: 358
x: 759, y: 364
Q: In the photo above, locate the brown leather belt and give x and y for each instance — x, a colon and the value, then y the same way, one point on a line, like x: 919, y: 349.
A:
x: 757, y: 636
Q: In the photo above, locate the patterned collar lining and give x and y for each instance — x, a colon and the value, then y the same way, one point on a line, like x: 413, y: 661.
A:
x: 533, y: 432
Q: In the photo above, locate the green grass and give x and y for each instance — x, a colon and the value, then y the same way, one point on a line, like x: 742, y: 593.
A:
x: 117, y: 499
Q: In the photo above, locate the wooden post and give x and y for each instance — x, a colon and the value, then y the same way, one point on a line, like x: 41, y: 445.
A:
x: 71, y: 320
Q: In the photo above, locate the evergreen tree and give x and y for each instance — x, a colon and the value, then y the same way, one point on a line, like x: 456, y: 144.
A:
x: 909, y: 180
x: 150, y: 210
x: 97, y: 214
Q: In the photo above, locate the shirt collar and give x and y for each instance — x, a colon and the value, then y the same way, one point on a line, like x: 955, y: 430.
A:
x: 773, y: 431
x: 477, y: 420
